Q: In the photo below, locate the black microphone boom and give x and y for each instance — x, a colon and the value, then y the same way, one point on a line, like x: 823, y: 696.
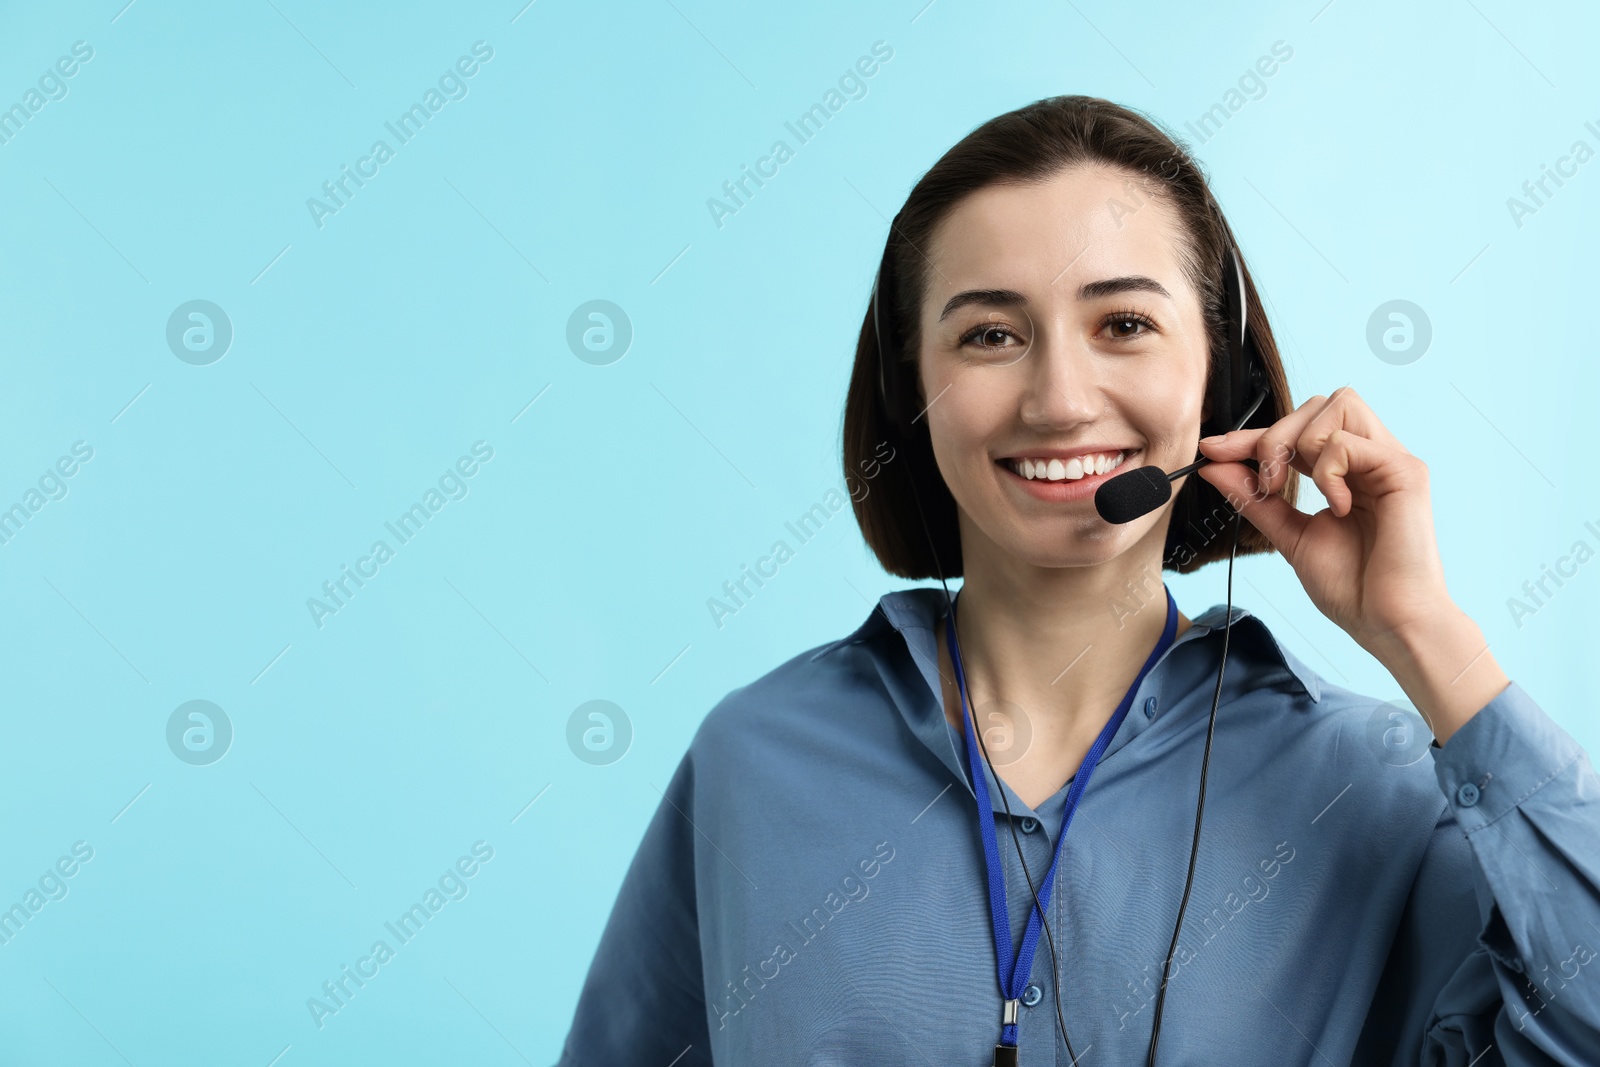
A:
x: 1143, y: 489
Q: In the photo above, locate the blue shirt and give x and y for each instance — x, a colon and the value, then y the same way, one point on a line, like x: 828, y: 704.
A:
x: 812, y: 888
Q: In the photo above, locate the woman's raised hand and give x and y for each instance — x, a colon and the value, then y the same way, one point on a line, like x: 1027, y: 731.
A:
x: 1369, y: 560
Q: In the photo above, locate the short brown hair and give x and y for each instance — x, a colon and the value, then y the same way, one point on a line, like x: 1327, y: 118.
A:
x: 1029, y: 145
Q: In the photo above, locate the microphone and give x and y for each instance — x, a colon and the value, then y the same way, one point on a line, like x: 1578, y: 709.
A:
x: 1140, y: 491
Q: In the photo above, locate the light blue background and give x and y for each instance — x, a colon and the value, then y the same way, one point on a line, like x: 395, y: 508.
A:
x: 370, y: 753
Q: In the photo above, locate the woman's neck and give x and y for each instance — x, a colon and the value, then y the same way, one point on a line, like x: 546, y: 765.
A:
x: 1047, y: 657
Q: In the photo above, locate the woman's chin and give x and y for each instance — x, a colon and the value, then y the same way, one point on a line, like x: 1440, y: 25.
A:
x: 1069, y: 548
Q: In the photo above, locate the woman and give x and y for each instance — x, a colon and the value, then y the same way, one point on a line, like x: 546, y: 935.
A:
x: 821, y: 883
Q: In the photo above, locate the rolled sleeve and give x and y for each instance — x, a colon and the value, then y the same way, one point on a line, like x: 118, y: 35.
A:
x: 1527, y: 799
x: 1504, y: 754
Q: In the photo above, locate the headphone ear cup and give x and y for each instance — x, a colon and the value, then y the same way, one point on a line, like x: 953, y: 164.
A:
x: 887, y: 393
x: 1239, y: 373
x: 891, y: 384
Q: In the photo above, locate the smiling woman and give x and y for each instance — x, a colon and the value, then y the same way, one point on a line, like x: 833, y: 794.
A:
x: 1030, y: 337
x: 1034, y: 208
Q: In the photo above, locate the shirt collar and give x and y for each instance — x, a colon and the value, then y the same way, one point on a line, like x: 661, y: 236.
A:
x: 920, y: 607
x: 912, y: 613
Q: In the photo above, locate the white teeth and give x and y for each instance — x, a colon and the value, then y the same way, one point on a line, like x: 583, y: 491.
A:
x: 1056, y: 470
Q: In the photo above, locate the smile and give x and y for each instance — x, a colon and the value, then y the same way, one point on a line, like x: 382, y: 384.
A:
x: 1052, y: 469
x: 1055, y: 479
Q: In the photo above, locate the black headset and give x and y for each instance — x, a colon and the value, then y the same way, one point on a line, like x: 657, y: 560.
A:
x: 1237, y: 391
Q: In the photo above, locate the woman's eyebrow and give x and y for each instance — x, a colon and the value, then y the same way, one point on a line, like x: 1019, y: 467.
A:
x: 1130, y: 283
x: 983, y: 296
x: 1087, y: 291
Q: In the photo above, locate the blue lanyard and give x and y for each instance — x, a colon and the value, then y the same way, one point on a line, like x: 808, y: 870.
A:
x: 1014, y: 971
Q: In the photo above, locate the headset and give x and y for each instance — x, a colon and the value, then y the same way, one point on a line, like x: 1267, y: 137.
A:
x: 1236, y: 392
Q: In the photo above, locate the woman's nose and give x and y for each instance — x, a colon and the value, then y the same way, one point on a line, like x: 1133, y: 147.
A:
x: 1060, y: 388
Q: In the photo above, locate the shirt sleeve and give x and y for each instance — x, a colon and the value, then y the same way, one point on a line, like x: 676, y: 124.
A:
x: 1505, y: 975
x: 643, y: 1001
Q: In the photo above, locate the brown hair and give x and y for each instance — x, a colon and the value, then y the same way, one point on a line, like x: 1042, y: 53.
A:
x: 1031, y: 144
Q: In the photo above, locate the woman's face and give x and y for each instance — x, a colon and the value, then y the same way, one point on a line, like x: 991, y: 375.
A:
x: 1058, y: 322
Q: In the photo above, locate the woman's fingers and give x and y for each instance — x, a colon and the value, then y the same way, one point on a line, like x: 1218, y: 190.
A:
x: 1375, y: 469
x: 1274, y: 516
x: 1298, y: 439
x: 1274, y: 444
x: 1347, y: 411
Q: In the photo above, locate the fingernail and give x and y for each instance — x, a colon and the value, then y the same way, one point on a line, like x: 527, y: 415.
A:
x: 1213, y: 439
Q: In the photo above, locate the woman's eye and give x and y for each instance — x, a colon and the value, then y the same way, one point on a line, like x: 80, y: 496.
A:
x: 988, y: 336
x: 1125, y: 325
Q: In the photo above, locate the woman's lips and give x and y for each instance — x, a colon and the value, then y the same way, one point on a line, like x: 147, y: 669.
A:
x: 1064, y: 492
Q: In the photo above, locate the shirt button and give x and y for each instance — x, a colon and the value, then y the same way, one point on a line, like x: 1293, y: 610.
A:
x: 1150, y: 708
x: 1029, y: 824
x: 1467, y: 794
x: 1032, y: 995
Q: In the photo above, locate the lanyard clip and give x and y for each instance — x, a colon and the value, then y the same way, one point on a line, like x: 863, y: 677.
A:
x: 1006, y: 1055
